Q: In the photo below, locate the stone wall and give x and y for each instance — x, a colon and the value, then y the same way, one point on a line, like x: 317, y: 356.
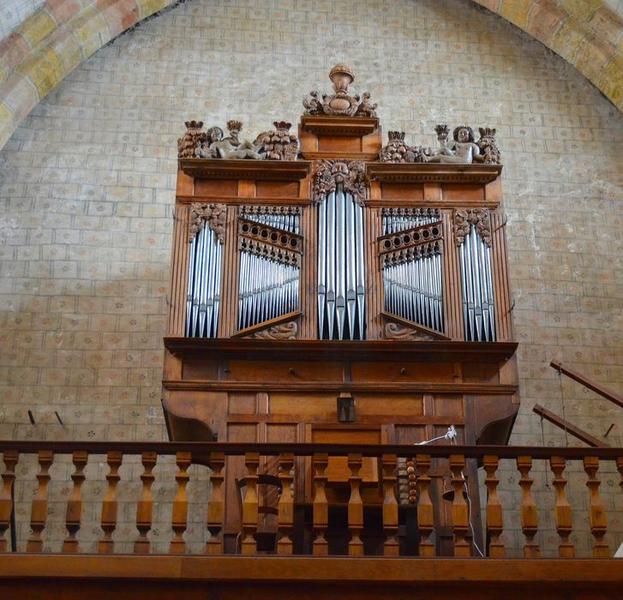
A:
x: 87, y: 189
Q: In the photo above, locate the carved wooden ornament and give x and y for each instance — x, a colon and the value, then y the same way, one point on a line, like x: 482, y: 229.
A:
x: 212, y: 214
x: 351, y: 174
x: 463, y: 219
x: 283, y: 331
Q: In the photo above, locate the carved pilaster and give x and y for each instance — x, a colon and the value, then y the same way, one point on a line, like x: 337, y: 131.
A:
x: 211, y: 214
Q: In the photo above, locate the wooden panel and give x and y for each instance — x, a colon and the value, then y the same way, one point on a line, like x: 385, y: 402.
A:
x: 195, y: 369
x: 294, y: 371
x: 402, y: 371
x: 306, y: 405
x: 480, y: 372
x: 402, y: 191
x: 463, y: 193
x: 393, y: 406
x: 281, y: 432
x: 276, y: 189
x: 449, y: 406
x: 410, y: 434
x: 240, y: 403
x: 216, y: 187
x: 339, y: 144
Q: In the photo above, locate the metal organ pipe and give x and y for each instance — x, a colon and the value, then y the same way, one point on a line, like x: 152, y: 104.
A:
x: 204, y: 280
x: 341, y: 267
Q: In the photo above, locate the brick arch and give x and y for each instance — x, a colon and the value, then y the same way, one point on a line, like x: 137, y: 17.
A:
x: 63, y: 33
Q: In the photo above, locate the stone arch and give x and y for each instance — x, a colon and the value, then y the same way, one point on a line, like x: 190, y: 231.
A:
x: 63, y: 33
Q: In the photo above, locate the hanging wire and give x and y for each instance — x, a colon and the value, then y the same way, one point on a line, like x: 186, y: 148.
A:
x: 543, y: 444
x: 564, y: 417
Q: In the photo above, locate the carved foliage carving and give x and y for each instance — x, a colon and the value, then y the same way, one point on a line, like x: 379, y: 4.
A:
x: 463, y: 219
x: 212, y: 214
x: 397, y: 150
x: 397, y: 331
x: 283, y: 331
x: 279, y: 144
x: 193, y: 137
x: 351, y: 174
x: 340, y: 102
x: 488, y: 146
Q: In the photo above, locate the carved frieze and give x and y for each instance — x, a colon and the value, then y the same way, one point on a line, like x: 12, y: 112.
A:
x: 260, y: 232
x: 340, y: 103
x: 463, y: 219
x: 269, y: 251
x: 283, y: 331
x: 396, y: 331
x: 461, y: 149
x: 211, y: 214
x: 350, y: 174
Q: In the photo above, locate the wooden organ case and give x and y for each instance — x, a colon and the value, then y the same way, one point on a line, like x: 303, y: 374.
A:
x: 330, y: 289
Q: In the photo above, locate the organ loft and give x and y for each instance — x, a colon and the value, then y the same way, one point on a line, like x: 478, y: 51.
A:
x: 338, y: 287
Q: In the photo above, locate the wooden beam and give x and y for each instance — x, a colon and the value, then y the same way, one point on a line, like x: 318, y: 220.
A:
x: 569, y: 427
x: 603, y: 391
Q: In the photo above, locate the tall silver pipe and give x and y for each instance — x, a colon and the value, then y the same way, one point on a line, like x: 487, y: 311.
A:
x: 322, y: 264
x: 340, y: 261
x: 360, y: 270
x: 330, y: 242
x: 351, y: 266
x: 189, y: 292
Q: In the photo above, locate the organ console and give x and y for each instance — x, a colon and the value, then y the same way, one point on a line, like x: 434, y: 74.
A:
x: 327, y: 266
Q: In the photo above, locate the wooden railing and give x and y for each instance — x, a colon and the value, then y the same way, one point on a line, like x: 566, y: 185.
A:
x: 547, y: 519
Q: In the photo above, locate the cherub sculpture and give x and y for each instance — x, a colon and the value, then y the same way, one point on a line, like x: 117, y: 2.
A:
x: 462, y: 149
x: 232, y: 147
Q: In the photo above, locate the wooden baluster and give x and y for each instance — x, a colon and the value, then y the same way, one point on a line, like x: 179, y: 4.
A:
x: 529, y: 513
x: 598, y: 518
x: 564, y: 520
x: 216, y: 504
x: 109, y: 505
x: 390, y: 505
x: 248, y: 544
x: 286, y: 504
x: 355, y: 506
x: 495, y: 520
x: 320, y: 504
x: 144, y: 506
x: 10, y: 458
x: 73, y: 514
x: 39, y: 510
x: 180, y: 504
x: 460, y: 509
x: 425, y: 516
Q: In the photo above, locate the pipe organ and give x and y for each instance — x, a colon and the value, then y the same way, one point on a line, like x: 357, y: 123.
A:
x: 328, y: 270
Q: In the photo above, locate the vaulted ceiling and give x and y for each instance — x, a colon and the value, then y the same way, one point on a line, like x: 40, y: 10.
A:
x: 44, y: 40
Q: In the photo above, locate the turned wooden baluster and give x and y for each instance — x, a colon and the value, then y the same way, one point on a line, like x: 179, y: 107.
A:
x: 598, y: 518
x: 249, y: 505
x: 460, y: 510
x: 529, y: 513
x: 180, y: 504
x: 109, y: 505
x: 10, y: 458
x: 320, y: 504
x: 495, y: 521
x: 73, y: 514
x: 216, y: 504
x: 144, y: 506
x: 39, y: 510
x: 425, y: 516
x: 390, y: 505
x: 355, y: 506
x: 286, y: 504
x: 564, y: 520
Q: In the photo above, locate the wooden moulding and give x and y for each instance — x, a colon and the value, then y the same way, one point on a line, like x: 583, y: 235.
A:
x: 252, y: 349
x: 340, y: 126
x: 432, y: 173
x: 273, y: 170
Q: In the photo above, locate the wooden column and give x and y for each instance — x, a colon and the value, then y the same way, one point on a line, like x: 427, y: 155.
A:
x: 355, y: 506
x: 320, y: 504
x: 248, y: 544
x: 39, y: 509
x: 390, y: 505
x: 73, y: 514
x: 529, y: 514
x: 598, y: 518
x: 309, y: 274
x: 10, y: 458
x: 501, y: 285
x: 216, y: 504
x: 460, y: 510
x: 180, y: 504
x: 109, y: 505
x: 145, y: 505
x: 564, y: 520
x: 374, y: 275
x: 495, y: 520
x: 425, y: 515
x: 179, y: 272
x: 228, y: 318
x: 452, y: 295
x: 286, y: 504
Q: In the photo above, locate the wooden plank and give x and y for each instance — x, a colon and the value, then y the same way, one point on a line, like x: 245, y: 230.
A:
x: 574, y: 430
x: 603, y: 391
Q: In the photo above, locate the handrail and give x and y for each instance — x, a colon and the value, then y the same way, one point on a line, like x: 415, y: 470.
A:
x: 603, y: 391
x: 307, y: 449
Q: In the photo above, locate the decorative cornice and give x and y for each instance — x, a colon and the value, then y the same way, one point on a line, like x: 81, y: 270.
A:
x: 340, y: 126
x: 351, y: 174
x: 432, y: 172
x: 278, y: 170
